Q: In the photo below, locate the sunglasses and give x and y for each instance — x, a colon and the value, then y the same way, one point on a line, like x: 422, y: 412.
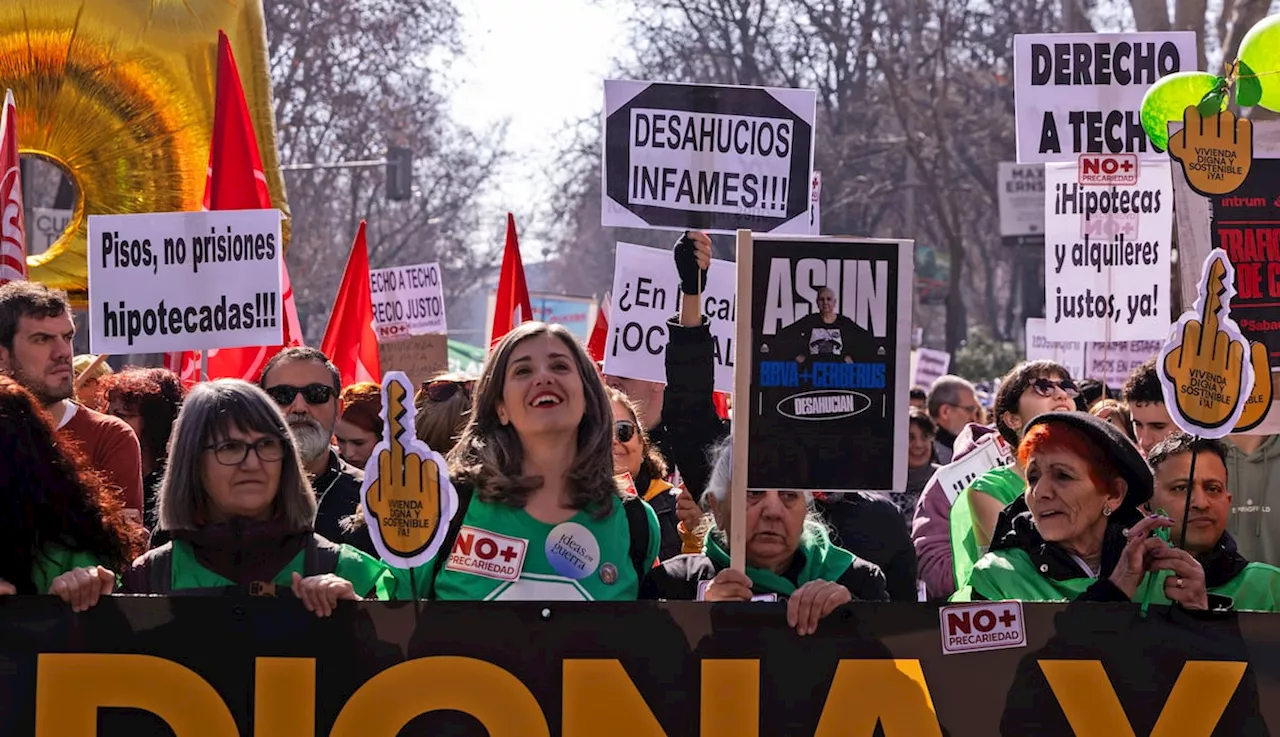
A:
x: 625, y: 430
x: 443, y: 390
x: 284, y: 394
x: 1045, y: 387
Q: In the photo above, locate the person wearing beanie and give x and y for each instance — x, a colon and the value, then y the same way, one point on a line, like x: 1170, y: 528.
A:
x: 1079, y: 532
x: 360, y: 427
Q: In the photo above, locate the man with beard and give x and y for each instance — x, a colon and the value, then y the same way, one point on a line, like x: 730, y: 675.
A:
x: 35, y: 350
x: 306, y: 385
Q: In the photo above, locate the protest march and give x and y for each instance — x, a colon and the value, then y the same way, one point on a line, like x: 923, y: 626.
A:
x: 766, y: 370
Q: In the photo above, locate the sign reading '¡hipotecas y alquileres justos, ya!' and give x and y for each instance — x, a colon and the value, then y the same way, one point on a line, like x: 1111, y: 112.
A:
x: 715, y: 158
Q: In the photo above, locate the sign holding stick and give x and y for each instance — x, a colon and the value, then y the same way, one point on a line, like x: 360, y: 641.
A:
x: 407, y: 495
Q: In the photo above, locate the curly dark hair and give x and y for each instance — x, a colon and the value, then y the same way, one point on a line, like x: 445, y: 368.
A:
x: 154, y: 393
x: 51, y: 497
x: 1143, y: 385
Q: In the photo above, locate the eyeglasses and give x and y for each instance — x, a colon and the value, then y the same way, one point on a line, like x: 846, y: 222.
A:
x: 1044, y: 387
x: 972, y: 409
x: 625, y: 430
x: 233, y: 452
x: 443, y: 389
x: 283, y: 394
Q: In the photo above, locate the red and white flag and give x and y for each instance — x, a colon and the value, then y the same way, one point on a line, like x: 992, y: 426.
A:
x: 349, y: 339
x: 13, y: 228
x: 512, y: 306
x: 235, y: 181
x: 599, y: 331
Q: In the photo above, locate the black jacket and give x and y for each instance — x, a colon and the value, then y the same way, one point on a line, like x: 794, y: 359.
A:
x: 689, y: 425
x: 677, y: 579
x: 870, y: 526
x: 337, y: 496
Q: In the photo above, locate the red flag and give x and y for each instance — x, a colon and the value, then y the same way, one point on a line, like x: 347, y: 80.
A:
x: 349, y: 339
x: 721, y: 401
x: 13, y: 228
x: 235, y: 181
x: 512, y: 306
x: 600, y: 331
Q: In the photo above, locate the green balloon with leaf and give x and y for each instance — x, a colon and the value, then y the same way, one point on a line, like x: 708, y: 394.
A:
x: 1166, y: 100
x: 1258, y: 77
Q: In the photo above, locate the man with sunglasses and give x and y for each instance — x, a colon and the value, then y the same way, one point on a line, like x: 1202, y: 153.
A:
x: 306, y: 386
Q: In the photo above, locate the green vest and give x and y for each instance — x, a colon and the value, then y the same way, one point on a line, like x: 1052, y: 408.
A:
x: 369, y: 576
x: 1004, y: 484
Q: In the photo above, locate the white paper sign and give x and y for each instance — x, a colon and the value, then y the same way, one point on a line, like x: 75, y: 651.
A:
x: 990, y: 452
x: 1107, y: 255
x: 1077, y: 93
x: 1021, y: 200
x: 182, y: 281
x: 928, y: 366
x: 44, y: 226
x: 712, y: 157
x: 407, y: 301
x: 646, y: 292
x: 1110, y: 363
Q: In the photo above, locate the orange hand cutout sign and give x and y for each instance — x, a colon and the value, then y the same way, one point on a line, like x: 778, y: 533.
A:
x: 1205, y: 376
x: 408, y: 500
x: 1216, y: 152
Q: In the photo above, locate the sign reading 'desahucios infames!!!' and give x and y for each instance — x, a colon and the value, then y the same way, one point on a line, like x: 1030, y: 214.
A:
x: 182, y: 281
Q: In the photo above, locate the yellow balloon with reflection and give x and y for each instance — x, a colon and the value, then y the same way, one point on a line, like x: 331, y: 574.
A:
x: 120, y: 94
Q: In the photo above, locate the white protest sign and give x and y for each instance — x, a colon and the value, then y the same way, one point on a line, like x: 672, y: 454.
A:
x: 184, y: 281
x: 1078, y: 93
x: 991, y: 451
x: 407, y: 301
x: 1110, y: 363
x: 715, y: 158
x: 44, y: 226
x: 928, y: 365
x: 646, y: 292
x: 1021, y: 200
x: 1107, y: 255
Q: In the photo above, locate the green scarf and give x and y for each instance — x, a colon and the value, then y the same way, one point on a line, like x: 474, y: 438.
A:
x: 822, y: 562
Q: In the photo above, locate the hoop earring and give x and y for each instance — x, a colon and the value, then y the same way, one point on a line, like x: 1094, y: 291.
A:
x: 1106, y: 511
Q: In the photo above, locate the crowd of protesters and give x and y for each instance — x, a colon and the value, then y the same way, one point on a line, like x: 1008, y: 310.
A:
x: 127, y: 481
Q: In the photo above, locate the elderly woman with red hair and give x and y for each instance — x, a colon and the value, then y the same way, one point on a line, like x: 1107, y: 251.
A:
x: 1078, y: 533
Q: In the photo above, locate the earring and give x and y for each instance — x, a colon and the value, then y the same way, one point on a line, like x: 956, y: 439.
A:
x: 1106, y: 511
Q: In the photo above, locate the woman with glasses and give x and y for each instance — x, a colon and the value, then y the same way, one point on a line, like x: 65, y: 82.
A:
x: 1030, y: 389
x: 148, y: 399
x: 633, y: 454
x: 62, y: 531
x: 443, y: 404
x: 239, y: 508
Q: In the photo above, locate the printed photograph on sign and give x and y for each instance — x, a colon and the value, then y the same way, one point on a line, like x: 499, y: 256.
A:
x: 830, y: 324
x: 407, y: 301
x: 707, y: 157
x: 1081, y: 93
x: 1107, y: 255
x: 184, y: 281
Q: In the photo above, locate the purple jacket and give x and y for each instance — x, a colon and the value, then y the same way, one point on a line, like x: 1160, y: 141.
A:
x: 931, y: 528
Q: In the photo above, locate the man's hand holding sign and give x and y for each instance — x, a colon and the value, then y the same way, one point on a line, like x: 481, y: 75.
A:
x: 409, y: 499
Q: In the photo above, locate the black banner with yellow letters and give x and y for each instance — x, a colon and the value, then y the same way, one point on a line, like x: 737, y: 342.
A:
x: 217, y: 667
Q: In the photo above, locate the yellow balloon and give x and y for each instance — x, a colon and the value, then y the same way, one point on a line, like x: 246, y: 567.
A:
x: 120, y: 93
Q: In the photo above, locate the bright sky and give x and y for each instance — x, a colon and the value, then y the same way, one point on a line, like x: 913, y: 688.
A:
x: 540, y: 65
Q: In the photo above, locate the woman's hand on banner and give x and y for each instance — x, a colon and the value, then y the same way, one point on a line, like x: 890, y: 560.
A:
x: 729, y: 585
x: 83, y: 587
x: 813, y: 601
x: 321, y: 594
x: 7, y: 589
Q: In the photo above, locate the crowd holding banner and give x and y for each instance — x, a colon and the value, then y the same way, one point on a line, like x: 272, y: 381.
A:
x: 1095, y: 539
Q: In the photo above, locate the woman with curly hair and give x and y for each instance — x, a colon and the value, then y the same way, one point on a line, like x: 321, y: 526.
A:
x: 62, y: 531
x: 149, y: 399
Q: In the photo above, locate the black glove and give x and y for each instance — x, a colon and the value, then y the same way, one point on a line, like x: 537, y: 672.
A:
x: 692, y: 279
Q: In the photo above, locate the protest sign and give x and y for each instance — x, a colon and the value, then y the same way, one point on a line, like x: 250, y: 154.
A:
x: 1081, y: 93
x: 419, y: 356
x: 646, y: 293
x: 991, y: 451
x: 407, y: 301
x: 1107, y: 255
x: 928, y: 365
x: 407, y: 495
x: 1216, y: 152
x: 1246, y: 224
x: 714, y: 158
x: 577, y: 314
x: 1110, y: 363
x: 1069, y: 353
x: 44, y: 226
x: 183, y: 281
x: 825, y: 386
x: 1021, y: 201
x: 1207, y: 368
x: 815, y: 204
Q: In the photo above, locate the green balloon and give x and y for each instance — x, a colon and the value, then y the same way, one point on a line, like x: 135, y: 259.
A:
x: 1260, y: 49
x: 1168, y: 98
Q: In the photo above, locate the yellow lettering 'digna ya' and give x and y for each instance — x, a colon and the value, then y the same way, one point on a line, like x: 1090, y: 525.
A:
x: 599, y: 698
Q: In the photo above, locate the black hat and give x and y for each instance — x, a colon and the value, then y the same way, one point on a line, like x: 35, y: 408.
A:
x: 1122, y: 453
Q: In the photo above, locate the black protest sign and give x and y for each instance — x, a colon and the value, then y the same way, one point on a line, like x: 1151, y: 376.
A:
x: 1246, y: 224
x: 829, y: 355
x: 715, y: 158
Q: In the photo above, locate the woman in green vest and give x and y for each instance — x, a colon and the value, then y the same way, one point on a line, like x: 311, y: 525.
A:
x: 62, y: 530
x: 789, y: 557
x: 240, y: 511
x: 1078, y: 532
x: 1030, y: 389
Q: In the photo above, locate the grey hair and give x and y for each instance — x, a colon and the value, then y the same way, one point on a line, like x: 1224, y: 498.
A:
x: 718, y: 486
x: 946, y: 390
x: 209, y: 411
